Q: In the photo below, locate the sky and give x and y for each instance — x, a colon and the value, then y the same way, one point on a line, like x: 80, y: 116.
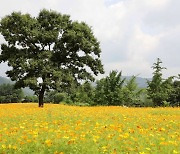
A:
x: 132, y: 33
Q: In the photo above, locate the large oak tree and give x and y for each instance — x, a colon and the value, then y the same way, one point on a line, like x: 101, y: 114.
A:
x: 48, y: 51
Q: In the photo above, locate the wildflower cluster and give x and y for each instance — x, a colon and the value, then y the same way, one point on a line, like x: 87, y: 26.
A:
x: 25, y: 128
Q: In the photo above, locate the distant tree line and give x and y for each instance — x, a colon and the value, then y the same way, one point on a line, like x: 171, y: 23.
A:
x: 111, y: 90
x: 116, y: 90
x: 8, y: 94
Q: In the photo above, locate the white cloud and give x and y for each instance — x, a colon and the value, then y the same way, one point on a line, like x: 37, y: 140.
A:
x: 132, y: 33
x: 3, y: 69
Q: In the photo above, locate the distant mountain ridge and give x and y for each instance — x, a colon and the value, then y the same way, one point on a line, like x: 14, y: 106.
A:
x: 142, y: 83
x: 4, y: 80
x: 26, y: 90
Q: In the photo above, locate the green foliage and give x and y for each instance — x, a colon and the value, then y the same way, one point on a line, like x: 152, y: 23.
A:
x: 155, y: 87
x: 57, y: 97
x: 159, y: 90
x: 109, y: 89
x: 49, y: 96
x: 8, y: 94
x: 131, y: 93
x: 174, y: 98
x: 166, y: 104
x: 84, y: 94
x: 48, y: 51
x: 30, y: 99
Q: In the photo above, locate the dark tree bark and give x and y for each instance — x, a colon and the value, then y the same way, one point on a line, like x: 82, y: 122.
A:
x: 41, y: 96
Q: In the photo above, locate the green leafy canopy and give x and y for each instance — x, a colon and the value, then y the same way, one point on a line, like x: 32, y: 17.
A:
x: 48, y: 51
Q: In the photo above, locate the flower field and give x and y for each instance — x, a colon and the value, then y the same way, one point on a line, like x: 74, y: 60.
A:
x: 25, y: 128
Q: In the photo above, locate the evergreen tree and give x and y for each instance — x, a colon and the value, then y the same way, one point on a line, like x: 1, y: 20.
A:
x: 131, y: 92
x: 157, y: 87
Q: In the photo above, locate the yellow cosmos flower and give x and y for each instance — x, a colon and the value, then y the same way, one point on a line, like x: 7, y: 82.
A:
x: 3, y: 146
x: 175, y: 152
x: 48, y: 142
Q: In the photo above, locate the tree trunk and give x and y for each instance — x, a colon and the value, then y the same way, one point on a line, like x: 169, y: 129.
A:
x: 41, y: 97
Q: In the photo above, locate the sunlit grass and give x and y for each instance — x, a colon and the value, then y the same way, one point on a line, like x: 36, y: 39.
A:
x: 25, y: 128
